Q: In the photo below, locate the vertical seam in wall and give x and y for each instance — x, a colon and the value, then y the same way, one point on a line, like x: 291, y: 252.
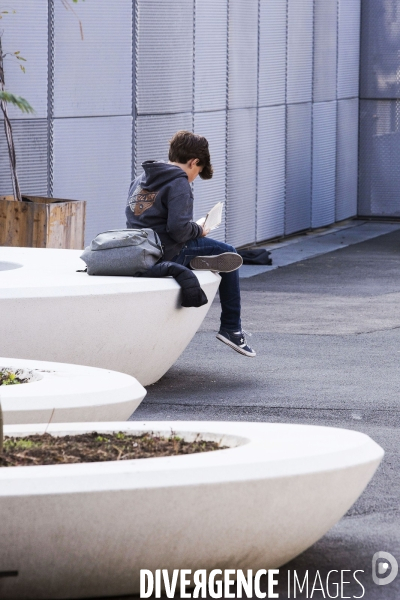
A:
x: 194, y: 62
x: 133, y: 107
x: 227, y: 122
x: 193, y: 70
x: 257, y: 117
x: 135, y: 90
x: 286, y: 115
x: 359, y: 111
x: 312, y: 115
x: 337, y: 106
x: 50, y: 99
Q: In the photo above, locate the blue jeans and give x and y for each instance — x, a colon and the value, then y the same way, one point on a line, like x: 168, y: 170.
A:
x: 229, y: 290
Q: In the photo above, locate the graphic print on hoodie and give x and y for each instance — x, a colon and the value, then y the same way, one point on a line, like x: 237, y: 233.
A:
x: 161, y: 199
x: 141, y: 200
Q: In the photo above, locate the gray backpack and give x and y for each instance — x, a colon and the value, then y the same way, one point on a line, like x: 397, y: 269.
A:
x: 122, y: 252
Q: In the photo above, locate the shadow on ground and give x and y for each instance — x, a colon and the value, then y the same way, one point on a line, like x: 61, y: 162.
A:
x: 327, y: 335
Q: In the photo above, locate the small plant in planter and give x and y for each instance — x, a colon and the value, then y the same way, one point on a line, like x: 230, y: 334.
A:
x: 1, y: 430
x: 8, y: 377
x: 28, y: 220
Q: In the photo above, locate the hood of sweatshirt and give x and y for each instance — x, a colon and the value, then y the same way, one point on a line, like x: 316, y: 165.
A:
x: 158, y: 173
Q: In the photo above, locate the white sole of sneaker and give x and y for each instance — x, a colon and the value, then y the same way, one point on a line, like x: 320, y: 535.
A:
x: 221, y: 263
x: 223, y: 339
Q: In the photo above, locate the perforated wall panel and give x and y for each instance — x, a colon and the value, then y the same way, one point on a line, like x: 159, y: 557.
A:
x: 272, y: 47
x: 243, y: 52
x: 379, y: 174
x: 164, y: 33
x: 300, y: 50
x: 97, y: 170
x: 347, y: 159
x: 211, y: 47
x: 207, y: 193
x: 298, y: 169
x: 380, y: 49
x: 93, y: 76
x: 323, y: 164
x: 325, y: 50
x: 349, y: 48
x: 31, y: 41
x: 30, y: 138
x: 271, y: 172
x: 153, y: 133
x: 241, y: 177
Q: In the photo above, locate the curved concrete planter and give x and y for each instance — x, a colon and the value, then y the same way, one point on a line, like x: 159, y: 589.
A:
x: 51, y: 312
x: 60, y: 393
x: 74, y: 531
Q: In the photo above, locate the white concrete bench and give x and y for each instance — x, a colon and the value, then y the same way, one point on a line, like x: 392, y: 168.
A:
x: 59, y: 393
x: 256, y: 505
x: 133, y: 325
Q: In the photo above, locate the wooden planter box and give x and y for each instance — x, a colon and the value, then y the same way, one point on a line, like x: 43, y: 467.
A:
x: 39, y: 222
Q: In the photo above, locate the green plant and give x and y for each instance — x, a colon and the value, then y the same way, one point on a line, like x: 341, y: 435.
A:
x: 1, y: 430
x: 17, y: 101
x: 9, y: 98
x: 8, y: 378
x: 21, y: 103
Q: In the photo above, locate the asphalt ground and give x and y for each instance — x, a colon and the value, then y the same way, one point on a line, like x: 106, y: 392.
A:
x: 327, y: 335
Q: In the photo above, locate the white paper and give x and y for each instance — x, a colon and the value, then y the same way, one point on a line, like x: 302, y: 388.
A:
x: 213, y: 218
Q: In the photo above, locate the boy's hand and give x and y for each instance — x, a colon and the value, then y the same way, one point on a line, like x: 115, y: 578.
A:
x: 205, y: 232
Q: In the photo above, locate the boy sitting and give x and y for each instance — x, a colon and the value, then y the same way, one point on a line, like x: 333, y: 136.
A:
x: 161, y: 199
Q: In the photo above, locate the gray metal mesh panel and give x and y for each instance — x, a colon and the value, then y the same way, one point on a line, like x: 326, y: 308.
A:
x: 325, y: 50
x: 347, y: 159
x: 164, y: 56
x: 207, y: 193
x: 272, y: 60
x: 92, y: 162
x: 271, y: 172
x: 300, y: 50
x: 211, y: 47
x: 298, y: 168
x: 31, y: 41
x: 241, y: 171
x: 92, y: 77
x: 379, y: 174
x: 243, y: 52
x: 349, y: 48
x: 380, y: 75
x: 153, y: 133
x: 30, y: 138
x: 323, y: 164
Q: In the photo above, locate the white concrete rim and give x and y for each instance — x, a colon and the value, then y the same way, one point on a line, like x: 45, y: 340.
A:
x: 66, y: 393
x: 53, y: 273
x: 264, y: 450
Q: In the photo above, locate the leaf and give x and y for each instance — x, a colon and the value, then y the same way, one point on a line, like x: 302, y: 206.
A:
x: 21, y: 58
x: 17, y: 101
x: 17, y: 52
x: 22, y: 68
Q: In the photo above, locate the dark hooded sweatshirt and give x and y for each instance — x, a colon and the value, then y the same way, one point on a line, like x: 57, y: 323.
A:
x: 161, y: 199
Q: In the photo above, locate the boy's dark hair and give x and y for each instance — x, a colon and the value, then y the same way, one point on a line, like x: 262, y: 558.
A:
x: 186, y: 145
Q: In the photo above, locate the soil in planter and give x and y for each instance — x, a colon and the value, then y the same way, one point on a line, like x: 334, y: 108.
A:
x: 94, y: 447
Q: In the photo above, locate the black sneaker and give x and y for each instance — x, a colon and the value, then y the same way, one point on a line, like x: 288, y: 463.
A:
x: 220, y: 263
x: 237, y: 341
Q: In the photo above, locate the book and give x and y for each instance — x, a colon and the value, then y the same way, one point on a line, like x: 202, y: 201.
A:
x: 213, y: 218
